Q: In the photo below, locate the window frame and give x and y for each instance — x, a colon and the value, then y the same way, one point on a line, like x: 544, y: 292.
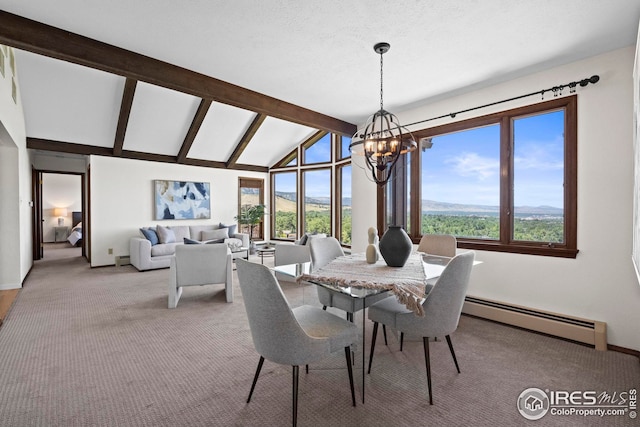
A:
x: 505, y: 243
x: 251, y: 183
x: 272, y: 207
x: 300, y: 168
x: 301, y: 205
x: 312, y: 141
x: 339, y: 167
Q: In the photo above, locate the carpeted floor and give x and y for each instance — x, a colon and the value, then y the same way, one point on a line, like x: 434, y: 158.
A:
x: 98, y: 347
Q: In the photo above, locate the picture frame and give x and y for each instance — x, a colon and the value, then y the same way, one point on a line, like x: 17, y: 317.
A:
x: 181, y: 200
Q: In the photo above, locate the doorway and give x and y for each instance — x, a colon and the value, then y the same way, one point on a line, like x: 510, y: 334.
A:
x: 58, y: 215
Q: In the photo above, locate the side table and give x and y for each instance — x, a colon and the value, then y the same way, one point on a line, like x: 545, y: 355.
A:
x: 265, y: 251
x: 61, y: 234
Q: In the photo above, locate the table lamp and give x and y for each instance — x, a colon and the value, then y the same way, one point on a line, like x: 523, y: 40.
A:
x: 60, y: 213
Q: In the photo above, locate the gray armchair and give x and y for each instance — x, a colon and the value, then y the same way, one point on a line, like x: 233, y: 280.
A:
x: 197, y: 265
x: 303, y: 335
x: 323, y: 251
x: 442, y: 309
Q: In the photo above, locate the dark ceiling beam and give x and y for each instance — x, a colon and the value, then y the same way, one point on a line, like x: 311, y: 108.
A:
x: 214, y: 164
x: 36, y: 37
x: 203, y: 108
x: 246, y: 138
x: 125, y: 112
x: 66, y: 147
x: 88, y: 150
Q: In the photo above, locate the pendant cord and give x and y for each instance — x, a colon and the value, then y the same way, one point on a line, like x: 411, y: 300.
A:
x: 381, y: 92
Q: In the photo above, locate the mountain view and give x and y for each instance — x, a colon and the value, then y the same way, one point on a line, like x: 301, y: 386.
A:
x: 430, y: 207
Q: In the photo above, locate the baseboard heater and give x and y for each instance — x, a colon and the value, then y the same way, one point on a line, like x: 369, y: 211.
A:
x: 573, y: 328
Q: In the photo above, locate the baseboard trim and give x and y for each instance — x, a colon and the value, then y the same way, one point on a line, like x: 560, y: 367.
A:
x: 587, y: 331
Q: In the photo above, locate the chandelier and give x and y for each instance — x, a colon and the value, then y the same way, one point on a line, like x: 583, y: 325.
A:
x: 382, y: 139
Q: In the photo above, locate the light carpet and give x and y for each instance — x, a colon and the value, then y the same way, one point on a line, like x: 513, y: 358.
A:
x: 99, y: 347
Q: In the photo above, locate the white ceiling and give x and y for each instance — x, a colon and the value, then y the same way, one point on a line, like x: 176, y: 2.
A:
x: 314, y: 54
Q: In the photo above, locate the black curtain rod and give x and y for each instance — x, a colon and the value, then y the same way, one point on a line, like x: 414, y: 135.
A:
x: 557, y: 90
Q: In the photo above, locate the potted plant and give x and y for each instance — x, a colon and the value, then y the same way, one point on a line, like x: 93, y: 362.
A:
x: 251, y: 215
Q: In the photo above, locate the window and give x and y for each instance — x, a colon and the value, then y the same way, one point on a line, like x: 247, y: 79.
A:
x: 344, y: 152
x: 251, y: 193
x: 317, y: 201
x: 324, y: 202
x: 343, y: 174
x: 285, y: 205
x: 317, y: 149
x: 503, y: 182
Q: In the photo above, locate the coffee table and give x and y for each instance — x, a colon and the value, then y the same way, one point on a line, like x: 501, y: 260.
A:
x: 265, y: 251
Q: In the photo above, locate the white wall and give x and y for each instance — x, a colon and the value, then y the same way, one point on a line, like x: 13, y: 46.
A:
x: 15, y: 185
x: 600, y: 283
x: 122, y: 200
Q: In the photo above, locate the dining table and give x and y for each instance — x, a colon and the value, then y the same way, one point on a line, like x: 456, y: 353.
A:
x: 354, y: 276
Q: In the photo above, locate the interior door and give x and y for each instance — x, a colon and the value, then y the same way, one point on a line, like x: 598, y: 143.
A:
x: 36, y: 193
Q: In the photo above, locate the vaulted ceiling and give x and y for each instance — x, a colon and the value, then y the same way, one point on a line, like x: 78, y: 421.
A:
x: 240, y: 84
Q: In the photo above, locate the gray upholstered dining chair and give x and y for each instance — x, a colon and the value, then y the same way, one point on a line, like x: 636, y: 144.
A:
x: 438, y: 244
x: 287, y: 253
x: 442, y: 308
x: 197, y: 265
x: 323, y: 251
x: 287, y: 336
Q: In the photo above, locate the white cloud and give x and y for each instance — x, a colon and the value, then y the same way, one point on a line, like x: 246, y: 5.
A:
x: 475, y: 166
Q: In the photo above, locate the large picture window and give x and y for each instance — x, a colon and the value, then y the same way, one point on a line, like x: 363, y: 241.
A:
x: 317, y: 201
x: 504, y: 182
x: 285, y: 205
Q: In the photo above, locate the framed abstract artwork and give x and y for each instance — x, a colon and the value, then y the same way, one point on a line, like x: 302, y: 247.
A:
x: 182, y: 200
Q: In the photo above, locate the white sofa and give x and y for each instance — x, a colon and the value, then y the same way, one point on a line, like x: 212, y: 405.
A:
x: 147, y: 256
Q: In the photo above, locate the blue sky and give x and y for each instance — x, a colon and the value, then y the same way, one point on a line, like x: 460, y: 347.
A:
x: 464, y: 167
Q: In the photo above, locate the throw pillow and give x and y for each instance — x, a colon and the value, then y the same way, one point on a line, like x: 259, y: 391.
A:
x: 233, y: 243
x: 188, y: 241
x: 221, y: 233
x: 165, y: 234
x: 232, y: 228
x: 150, y: 234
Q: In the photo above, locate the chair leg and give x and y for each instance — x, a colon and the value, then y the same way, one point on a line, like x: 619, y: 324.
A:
x: 453, y: 353
x: 384, y: 332
x: 255, y: 377
x: 373, y: 344
x: 350, y: 317
x: 425, y: 342
x: 307, y: 368
x: 324, y: 307
x: 347, y: 353
x: 295, y: 395
x: 401, y: 340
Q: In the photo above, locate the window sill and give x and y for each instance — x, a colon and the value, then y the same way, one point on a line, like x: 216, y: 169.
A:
x: 523, y: 249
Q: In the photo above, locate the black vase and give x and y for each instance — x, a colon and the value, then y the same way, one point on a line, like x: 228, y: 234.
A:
x: 395, y: 246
